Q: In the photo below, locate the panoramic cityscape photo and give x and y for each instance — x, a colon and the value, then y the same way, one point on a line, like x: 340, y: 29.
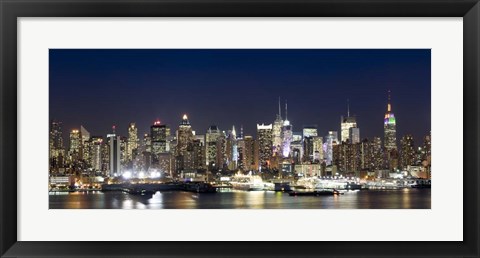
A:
x: 239, y: 129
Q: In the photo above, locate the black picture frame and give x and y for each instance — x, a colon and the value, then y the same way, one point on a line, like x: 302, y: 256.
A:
x: 10, y: 10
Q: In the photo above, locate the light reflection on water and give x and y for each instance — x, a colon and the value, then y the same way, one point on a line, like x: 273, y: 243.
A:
x: 233, y: 199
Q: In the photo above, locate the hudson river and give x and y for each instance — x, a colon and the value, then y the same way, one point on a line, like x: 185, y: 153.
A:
x: 233, y: 199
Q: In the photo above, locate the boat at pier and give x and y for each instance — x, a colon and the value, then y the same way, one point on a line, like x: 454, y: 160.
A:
x: 247, y: 182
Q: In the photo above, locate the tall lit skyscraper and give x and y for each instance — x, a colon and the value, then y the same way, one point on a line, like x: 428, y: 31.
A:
x: 378, y: 154
x: 249, y: 153
x: 264, y: 136
x: 56, y: 148
x: 132, y: 145
x: 287, y: 134
x: 330, y: 140
x: 317, y: 149
x: 85, y: 144
x: 75, y: 146
x: 354, y: 135
x: 211, y: 138
x: 114, y: 142
x: 277, y: 132
x: 184, y: 136
x: 390, y: 129
x: 232, y: 149
x: 158, y: 138
x: 96, y: 153
x: 347, y: 123
x: 308, y: 134
x: 147, y: 142
x: 407, y: 157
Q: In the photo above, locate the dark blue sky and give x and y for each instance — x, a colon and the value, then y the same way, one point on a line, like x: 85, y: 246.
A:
x: 99, y: 88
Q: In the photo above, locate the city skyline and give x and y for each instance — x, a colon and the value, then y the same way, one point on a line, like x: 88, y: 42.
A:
x: 161, y: 125
x: 329, y: 105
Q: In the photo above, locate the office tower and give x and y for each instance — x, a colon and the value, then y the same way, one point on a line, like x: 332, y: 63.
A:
x: 307, y: 149
x: 249, y: 153
x: 114, y: 142
x: 347, y: 123
x: 132, y: 145
x: 123, y: 151
x: 85, y: 144
x: 147, y: 142
x: 232, y: 149
x: 184, y: 136
x: 277, y: 132
x: 317, y: 149
x: 330, y: 140
x: 287, y: 134
x: 354, y: 135
x: 366, y: 157
x: 56, y: 148
x: 378, y: 154
x: 407, y: 147
x: 198, y: 150
x: 158, y: 139
x: 389, y: 125
x: 211, y: 138
x: 96, y: 149
x: 75, y: 146
x: 220, y: 147
x: 241, y: 153
x: 346, y: 157
x: 264, y: 136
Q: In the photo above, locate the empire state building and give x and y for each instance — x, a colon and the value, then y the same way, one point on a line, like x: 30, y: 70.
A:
x: 390, y: 128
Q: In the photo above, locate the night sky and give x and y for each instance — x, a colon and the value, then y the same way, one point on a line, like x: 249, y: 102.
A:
x: 101, y: 88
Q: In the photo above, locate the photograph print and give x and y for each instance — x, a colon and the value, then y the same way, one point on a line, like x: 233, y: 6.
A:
x: 239, y: 129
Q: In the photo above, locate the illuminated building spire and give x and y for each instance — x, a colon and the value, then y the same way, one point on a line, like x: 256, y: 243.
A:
x: 286, y: 110
x: 389, y: 106
x: 234, y: 132
x: 348, y: 108
x: 279, y: 109
x: 185, y: 120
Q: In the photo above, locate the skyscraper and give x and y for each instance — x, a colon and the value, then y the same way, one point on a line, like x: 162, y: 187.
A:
x: 330, y: 140
x: 184, y: 136
x: 158, y: 138
x: 85, y: 144
x: 317, y: 149
x: 96, y: 153
x: 114, y: 142
x: 354, y: 135
x: 56, y: 148
x: 264, y: 136
x: 389, y: 126
x: 347, y: 123
x: 308, y: 135
x: 249, y: 153
x: 75, y: 146
x: 277, y: 132
x: 132, y: 145
x: 407, y: 157
x: 287, y: 134
x: 211, y: 138
x: 232, y: 149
